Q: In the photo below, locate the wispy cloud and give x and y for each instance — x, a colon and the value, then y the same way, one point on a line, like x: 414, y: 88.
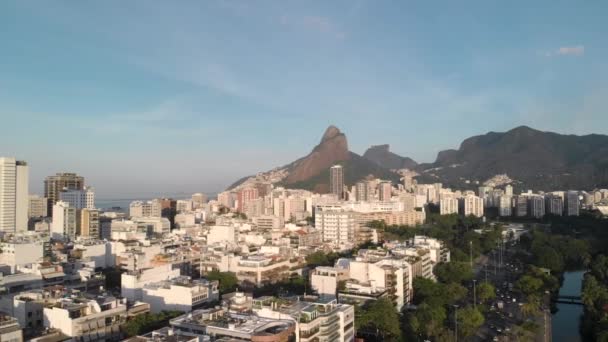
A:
x: 314, y: 23
x: 575, y: 50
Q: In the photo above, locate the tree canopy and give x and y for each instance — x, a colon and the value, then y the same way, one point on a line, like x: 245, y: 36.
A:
x: 381, y: 317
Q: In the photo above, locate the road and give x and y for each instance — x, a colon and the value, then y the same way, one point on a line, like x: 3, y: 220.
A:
x: 500, y: 322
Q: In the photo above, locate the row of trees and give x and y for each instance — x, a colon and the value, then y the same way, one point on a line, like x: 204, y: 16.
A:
x: 556, y: 252
x: 595, y: 298
x: 437, y: 301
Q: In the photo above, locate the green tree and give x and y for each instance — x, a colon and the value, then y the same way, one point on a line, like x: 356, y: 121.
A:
x: 599, y: 268
x: 547, y: 257
x: 320, y: 258
x: 486, y: 291
x: 426, y: 290
x: 469, y: 320
x: 529, y: 285
x: 143, y: 324
x: 228, y: 280
x: 380, y: 316
x: 531, y: 307
x: 453, y: 292
x: 429, y: 319
x: 454, y: 272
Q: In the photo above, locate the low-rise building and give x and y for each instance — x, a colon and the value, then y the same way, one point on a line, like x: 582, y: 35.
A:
x: 223, y: 325
x: 87, y: 319
x: 10, y: 330
x: 180, y: 294
x: 325, y: 280
x: 318, y: 318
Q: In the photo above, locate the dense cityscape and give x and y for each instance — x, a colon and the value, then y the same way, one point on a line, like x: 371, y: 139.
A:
x: 303, y: 171
x: 372, y: 261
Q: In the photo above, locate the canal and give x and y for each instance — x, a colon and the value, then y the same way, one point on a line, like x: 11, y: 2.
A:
x: 566, y: 320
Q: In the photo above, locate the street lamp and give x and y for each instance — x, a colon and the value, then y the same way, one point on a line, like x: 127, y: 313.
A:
x: 455, y: 322
x: 474, y: 293
x: 471, y: 252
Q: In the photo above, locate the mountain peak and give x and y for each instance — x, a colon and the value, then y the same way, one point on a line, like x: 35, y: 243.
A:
x: 523, y: 129
x: 330, y: 133
x: 383, y: 147
x: 382, y: 156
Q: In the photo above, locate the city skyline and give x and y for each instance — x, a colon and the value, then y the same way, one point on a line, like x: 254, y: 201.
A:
x: 176, y: 100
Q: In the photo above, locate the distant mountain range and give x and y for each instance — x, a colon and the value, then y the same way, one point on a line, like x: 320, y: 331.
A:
x: 533, y: 159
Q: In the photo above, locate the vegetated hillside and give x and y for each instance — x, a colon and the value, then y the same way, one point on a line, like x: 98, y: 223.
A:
x: 538, y: 160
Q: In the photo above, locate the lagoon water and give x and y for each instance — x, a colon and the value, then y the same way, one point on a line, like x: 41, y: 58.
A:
x: 565, y: 321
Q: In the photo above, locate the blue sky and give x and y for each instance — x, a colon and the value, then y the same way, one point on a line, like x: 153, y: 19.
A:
x: 163, y: 96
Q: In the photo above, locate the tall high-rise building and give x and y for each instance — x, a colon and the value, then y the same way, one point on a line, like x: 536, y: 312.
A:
x: 520, y: 203
x: 244, y: 197
x: 88, y: 223
x: 572, y: 203
x: 505, y: 205
x: 64, y: 225
x: 336, y: 180
x: 536, y: 206
x: 385, y: 191
x: 14, y: 196
x: 37, y: 206
x: 79, y: 199
x: 509, y: 190
x: 448, y: 204
x: 485, y: 193
x: 54, y: 185
x: 554, y: 205
x: 471, y: 205
x: 362, y: 191
x: 336, y: 226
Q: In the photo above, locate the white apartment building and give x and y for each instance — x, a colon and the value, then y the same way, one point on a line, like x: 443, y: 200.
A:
x: 391, y: 274
x: 180, y: 294
x: 223, y: 234
x: 268, y: 222
x: 324, y: 280
x: 98, y: 251
x: 21, y: 252
x: 336, y: 226
x: 505, y: 206
x: 448, y: 205
x: 79, y: 199
x: 96, y: 319
x: 37, y: 206
x: 132, y: 283
x: 64, y: 223
x: 438, y: 251
x: 471, y: 205
x: 14, y: 195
